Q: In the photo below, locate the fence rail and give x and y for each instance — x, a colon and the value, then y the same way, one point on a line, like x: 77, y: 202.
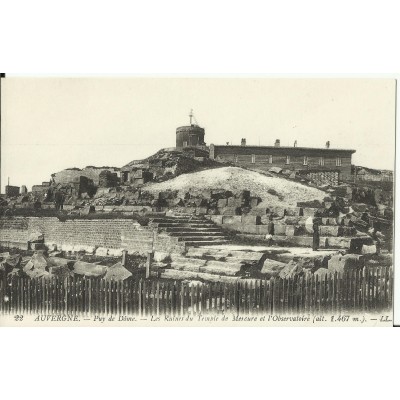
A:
x: 369, y: 289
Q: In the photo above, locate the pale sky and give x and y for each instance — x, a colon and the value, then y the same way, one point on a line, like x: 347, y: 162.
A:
x: 49, y: 124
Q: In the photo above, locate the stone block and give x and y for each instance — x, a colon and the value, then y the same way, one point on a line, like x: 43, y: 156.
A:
x: 236, y: 226
x: 309, y: 212
x: 326, y: 230
x: 51, y: 247
x: 249, y: 228
x: 291, y: 270
x: 217, y: 219
x: 264, y: 219
x: 58, y: 261
x: 347, y: 231
x: 244, y: 194
x: 338, y: 242
x: 277, y: 210
x: 341, y: 263
x: 290, y: 230
x: 67, y: 247
x: 368, y: 249
x: 89, y: 269
x: 279, y: 229
x: 228, y: 211
x: 160, y: 256
x: 222, y: 203
x: 262, y: 229
x: 83, y: 248
x: 232, y: 219
x: 291, y: 220
x: 300, y: 241
x: 293, y: 211
x: 272, y: 267
x: 234, y: 202
x: 101, y: 252
x: 329, y: 221
x: 115, y: 252
x: 117, y: 272
x: 251, y: 219
x: 202, y: 210
x: 254, y: 201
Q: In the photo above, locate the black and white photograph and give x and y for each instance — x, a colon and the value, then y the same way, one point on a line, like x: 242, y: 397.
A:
x: 197, y: 201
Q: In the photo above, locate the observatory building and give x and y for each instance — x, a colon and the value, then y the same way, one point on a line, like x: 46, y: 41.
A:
x: 190, y: 136
x: 334, y: 164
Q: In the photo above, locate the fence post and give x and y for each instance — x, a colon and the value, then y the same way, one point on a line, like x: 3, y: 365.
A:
x: 123, y: 261
x: 150, y: 255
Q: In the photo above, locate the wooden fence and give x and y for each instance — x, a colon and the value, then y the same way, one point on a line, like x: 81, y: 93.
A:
x: 369, y: 289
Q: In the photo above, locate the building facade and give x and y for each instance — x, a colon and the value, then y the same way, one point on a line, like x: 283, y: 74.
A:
x: 290, y: 158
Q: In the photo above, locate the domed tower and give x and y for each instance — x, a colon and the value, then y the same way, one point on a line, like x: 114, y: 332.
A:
x: 190, y: 136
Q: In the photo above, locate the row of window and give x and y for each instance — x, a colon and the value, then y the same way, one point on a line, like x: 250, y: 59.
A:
x: 321, y: 160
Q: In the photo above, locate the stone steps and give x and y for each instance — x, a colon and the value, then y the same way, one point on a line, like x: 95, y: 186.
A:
x: 185, y: 224
x: 196, y: 233
x: 177, y: 219
x: 202, y: 238
x: 206, y: 242
x: 192, y: 229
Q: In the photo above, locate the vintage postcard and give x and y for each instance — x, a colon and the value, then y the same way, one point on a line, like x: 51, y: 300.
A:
x: 197, y: 201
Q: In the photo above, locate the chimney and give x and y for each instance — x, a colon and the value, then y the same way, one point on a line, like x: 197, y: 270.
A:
x: 295, y: 143
x: 277, y: 143
x: 243, y: 142
x: 328, y: 144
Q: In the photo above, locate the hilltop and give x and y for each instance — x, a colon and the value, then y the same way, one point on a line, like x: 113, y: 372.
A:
x: 272, y: 190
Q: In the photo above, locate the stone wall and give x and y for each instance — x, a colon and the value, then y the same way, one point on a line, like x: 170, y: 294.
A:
x: 324, y: 177
x: 107, y: 233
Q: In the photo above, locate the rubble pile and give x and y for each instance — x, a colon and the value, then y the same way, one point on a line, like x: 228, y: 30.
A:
x: 164, y: 165
x: 230, y: 263
x: 47, y: 266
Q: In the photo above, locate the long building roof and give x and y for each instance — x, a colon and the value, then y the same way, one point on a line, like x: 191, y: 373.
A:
x: 285, y: 147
